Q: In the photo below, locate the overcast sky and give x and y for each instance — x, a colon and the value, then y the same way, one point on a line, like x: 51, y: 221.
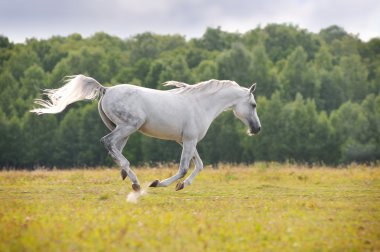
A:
x: 20, y: 19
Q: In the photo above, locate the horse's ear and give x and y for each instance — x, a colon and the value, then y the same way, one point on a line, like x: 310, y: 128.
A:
x: 252, y: 88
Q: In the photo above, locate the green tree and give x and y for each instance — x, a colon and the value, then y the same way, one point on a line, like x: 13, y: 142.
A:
x: 351, y: 127
x: 39, y: 137
x: 254, y: 37
x: 371, y: 110
x: 375, y: 83
x: 370, y: 53
x: 153, y: 77
x: 157, y: 151
x: 222, y: 142
x: 20, y: 60
x: 90, y: 61
x: 323, y: 59
x: 91, y: 129
x: 4, y: 42
x: 305, y: 133
x: 11, y: 144
x: 214, y: 39
x: 298, y: 76
x: 194, y: 56
x: 346, y: 47
x: 176, y: 69
x: 5, y: 50
x: 270, y: 145
x: 332, y: 33
x: 236, y: 64
x: 206, y: 70
x: 8, y: 92
x: 355, y: 77
x: 281, y: 41
x: 49, y: 52
x: 68, y: 139
x: 332, y: 93
x: 150, y: 46
x: 135, y: 74
x: 3, y: 144
x: 263, y: 71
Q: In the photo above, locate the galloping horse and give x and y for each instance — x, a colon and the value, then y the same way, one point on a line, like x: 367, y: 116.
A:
x: 182, y: 114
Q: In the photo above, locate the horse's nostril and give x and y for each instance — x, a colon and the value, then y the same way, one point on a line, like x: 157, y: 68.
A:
x: 258, y: 129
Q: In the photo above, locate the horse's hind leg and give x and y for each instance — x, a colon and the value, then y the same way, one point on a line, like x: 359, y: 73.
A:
x: 114, y: 143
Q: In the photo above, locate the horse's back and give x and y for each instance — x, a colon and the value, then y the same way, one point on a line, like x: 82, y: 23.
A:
x: 151, y: 100
x: 162, y: 114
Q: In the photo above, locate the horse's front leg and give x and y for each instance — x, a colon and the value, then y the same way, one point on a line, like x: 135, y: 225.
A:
x: 198, y: 167
x: 188, y: 151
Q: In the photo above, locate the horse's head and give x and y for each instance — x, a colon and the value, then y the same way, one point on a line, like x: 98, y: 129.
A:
x: 245, y: 110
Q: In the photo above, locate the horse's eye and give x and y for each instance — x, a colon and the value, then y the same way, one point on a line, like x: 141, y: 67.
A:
x: 254, y: 105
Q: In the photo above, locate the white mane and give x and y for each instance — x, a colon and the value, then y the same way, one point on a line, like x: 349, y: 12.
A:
x: 205, y: 86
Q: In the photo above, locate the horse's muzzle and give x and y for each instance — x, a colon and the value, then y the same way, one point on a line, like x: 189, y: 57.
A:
x: 254, y: 129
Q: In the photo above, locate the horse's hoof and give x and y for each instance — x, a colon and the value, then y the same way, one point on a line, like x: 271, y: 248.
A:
x: 123, y: 174
x: 180, y: 186
x: 154, y: 183
x: 136, y: 187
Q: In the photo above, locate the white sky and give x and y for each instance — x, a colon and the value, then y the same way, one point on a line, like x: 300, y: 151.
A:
x: 20, y: 19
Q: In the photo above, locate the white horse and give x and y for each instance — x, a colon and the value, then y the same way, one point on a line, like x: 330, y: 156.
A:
x: 182, y: 114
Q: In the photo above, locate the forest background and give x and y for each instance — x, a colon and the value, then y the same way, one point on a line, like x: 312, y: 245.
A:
x: 317, y: 95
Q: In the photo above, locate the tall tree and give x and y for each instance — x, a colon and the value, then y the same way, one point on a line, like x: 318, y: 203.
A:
x: 39, y: 137
x: 332, y: 33
x: 298, y: 76
x: 68, y: 139
x: 269, y: 144
x: 11, y: 147
x: 263, y: 71
x: 355, y: 77
x: 20, y: 60
x: 206, y: 70
x: 214, y: 39
x: 8, y: 92
x: 176, y: 69
x: 236, y: 64
x: 91, y: 129
x: 351, y: 127
x: 280, y: 41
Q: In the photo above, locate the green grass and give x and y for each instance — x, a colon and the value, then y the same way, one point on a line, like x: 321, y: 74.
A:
x: 267, y: 207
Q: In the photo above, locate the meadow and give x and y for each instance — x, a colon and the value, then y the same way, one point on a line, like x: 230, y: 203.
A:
x: 265, y: 207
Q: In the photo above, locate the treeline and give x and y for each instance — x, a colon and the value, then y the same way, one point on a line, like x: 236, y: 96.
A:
x: 318, y: 95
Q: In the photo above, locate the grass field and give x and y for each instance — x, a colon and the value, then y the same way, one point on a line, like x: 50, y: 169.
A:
x: 266, y: 207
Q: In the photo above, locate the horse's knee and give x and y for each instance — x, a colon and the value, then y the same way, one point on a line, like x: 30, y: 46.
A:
x: 125, y: 164
x: 182, y: 172
x: 200, y: 167
x: 198, y: 164
x: 103, y: 140
x: 106, y: 142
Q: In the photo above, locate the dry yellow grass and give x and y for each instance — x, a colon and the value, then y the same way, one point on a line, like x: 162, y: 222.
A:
x: 266, y: 207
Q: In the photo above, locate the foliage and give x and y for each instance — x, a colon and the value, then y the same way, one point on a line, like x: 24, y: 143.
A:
x: 318, y: 94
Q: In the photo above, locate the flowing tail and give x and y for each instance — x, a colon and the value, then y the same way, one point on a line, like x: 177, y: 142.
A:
x: 77, y: 88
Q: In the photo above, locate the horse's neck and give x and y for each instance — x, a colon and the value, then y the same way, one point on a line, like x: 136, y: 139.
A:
x: 214, y: 104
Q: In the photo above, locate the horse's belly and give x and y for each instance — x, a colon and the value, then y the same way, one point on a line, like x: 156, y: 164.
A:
x: 162, y: 131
